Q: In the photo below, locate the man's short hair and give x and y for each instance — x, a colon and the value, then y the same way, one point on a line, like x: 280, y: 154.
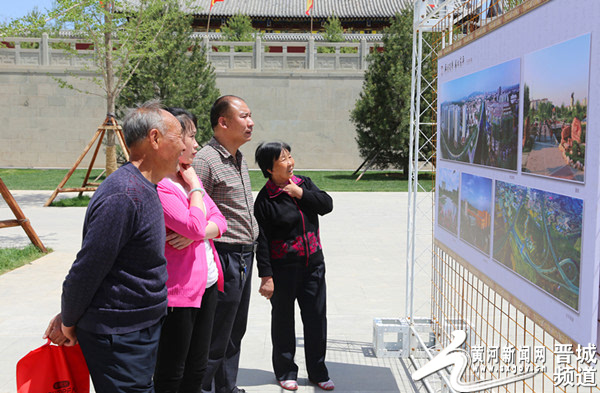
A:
x: 220, y: 108
x: 139, y: 121
x: 266, y: 154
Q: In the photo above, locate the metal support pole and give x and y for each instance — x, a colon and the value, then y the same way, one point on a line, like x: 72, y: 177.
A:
x: 413, y: 175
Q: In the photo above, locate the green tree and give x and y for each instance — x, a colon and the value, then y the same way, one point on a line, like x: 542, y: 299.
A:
x: 579, y: 110
x: 382, y: 112
x: 333, y: 29
x: 123, y: 34
x: 239, y: 28
x: 333, y: 33
x: 545, y: 111
x: 526, y: 101
x: 180, y: 75
x: 33, y: 24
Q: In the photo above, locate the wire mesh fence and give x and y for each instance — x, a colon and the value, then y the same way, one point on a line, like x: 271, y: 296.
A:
x: 502, y: 337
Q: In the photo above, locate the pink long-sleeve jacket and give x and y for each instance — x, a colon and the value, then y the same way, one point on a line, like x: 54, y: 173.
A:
x: 187, y: 268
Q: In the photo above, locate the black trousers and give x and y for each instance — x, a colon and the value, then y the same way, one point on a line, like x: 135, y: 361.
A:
x: 307, y: 285
x: 183, y: 347
x: 121, y: 363
x: 231, y: 317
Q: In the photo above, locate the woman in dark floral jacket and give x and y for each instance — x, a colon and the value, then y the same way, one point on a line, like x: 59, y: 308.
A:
x: 291, y: 264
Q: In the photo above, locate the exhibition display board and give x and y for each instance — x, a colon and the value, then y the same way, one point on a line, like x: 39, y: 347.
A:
x: 517, y: 165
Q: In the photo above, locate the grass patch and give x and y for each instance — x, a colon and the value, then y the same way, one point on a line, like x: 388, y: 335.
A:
x: 43, y: 179
x: 78, y: 201
x: 373, y: 181
x: 12, y: 258
x: 344, y: 181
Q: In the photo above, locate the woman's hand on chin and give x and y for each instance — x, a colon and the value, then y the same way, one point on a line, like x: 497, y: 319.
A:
x: 188, y: 174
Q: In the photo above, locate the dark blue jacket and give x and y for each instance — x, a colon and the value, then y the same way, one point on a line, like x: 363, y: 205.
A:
x: 117, y: 283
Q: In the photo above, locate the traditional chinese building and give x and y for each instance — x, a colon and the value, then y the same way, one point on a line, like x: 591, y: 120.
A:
x: 289, y: 16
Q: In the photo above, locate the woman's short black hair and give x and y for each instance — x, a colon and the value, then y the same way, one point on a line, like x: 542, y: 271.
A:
x: 185, y: 118
x: 267, y: 153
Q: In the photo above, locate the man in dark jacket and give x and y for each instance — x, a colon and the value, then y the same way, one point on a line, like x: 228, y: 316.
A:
x: 114, y: 297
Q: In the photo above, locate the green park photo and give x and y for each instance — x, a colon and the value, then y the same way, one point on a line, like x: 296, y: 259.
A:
x: 556, y: 81
x: 538, y: 234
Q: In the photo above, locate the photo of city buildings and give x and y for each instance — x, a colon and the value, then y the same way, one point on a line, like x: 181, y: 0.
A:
x: 479, y: 116
x: 556, y: 81
x: 537, y: 234
x: 476, y: 211
x: 448, y: 182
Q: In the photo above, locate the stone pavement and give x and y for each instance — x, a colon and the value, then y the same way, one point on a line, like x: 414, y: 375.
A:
x: 364, y: 241
x: 547, y: 159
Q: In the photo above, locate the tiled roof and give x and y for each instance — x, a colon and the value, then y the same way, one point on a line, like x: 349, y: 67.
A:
x: 296, y: 36
x: 297, y: 8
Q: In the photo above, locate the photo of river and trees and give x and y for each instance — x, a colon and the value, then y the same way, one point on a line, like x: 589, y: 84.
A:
x: 479, y: 116
x: 537, y: 234
x: 555, y: 100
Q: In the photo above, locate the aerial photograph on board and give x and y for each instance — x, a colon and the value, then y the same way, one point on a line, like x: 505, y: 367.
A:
x: 479, y: 117
x: 537, y: 234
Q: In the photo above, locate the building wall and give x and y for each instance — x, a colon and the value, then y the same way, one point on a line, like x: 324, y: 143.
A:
x: 45, y: 126
x: 309, y: 111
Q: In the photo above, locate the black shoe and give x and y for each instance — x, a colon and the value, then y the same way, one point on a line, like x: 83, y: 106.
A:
x: 238, y: 390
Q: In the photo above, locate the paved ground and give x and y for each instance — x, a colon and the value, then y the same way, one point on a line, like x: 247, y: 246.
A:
x: 365, y: 248
x: 547, y: 159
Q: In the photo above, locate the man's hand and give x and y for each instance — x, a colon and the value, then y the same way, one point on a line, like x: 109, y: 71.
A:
x: 178, y: 241
x: 293, y: 190
x: 55, y: 333
x: 70, y: 334
x: 266, y: 287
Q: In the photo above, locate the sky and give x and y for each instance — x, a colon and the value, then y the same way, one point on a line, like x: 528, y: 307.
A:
x: 12, y: 9
x: 489, y: 79
x: 477, y: 190
x: 450, y: 176
x: 556, y: 72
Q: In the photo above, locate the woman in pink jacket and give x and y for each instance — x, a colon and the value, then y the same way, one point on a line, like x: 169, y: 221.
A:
x: 195, y: 274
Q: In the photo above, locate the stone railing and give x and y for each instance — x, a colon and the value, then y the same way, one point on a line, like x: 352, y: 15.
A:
x: 43, y: 51
x: 224, y: 55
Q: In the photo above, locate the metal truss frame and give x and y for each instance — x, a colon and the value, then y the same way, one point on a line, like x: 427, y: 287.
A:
x: 426, y: 15
x: 459, y: 298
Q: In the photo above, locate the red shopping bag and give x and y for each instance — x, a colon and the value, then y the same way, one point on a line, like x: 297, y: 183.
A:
x: 53, y: 369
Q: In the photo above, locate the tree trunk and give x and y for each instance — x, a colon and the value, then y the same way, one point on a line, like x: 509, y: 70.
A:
x: 405, y: 169
x: 111, y: 153
x: 111, y: 149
